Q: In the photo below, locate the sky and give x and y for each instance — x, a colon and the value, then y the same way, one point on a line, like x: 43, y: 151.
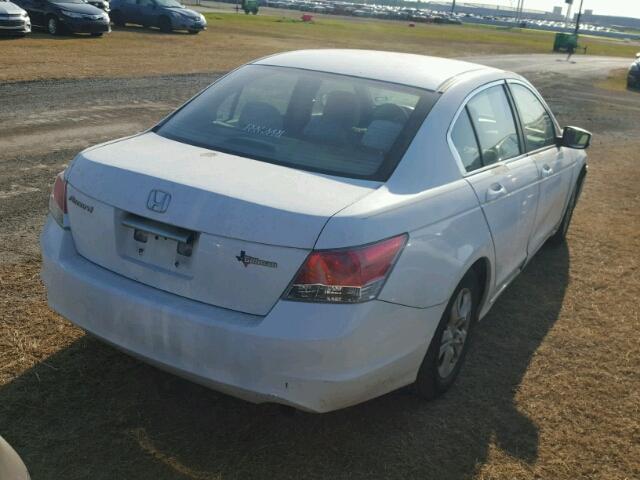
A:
x: 627, y: 8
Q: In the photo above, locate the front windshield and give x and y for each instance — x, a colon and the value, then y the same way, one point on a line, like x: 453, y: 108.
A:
x: 169, y: 3
x: 315, y: 121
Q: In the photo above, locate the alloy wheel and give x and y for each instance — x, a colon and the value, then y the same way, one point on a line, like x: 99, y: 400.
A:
x: 52, y: 26
x: 455, y: 334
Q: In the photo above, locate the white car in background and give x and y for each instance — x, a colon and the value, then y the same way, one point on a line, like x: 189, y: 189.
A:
x: 13, y: 19
x: 316, y: 228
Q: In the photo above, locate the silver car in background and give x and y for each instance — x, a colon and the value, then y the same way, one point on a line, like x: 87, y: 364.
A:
x: 13, y: 19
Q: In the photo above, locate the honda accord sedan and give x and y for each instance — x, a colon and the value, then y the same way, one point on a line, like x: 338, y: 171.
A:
x: 60, y: 16
x: 316, y: 228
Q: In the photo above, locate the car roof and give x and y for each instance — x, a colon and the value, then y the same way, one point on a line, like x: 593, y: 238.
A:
x: 404, y: 68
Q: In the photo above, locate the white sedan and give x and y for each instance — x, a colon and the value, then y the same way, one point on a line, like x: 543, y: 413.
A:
x: 316, y: 228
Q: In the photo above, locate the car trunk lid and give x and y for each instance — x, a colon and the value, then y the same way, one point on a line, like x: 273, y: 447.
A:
x: 210, y: 226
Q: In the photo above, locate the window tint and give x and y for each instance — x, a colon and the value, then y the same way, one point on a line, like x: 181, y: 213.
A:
x: 537, y: 124
x: 304, y: 119
x: 465, y: 142
x: 493, y: 120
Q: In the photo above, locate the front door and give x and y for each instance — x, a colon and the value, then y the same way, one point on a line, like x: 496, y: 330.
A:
x: 146, y: 12
x: 554, y: 163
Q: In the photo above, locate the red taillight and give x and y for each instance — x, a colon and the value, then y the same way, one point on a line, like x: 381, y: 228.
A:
x: 346, y: 275
x: 58, y: 199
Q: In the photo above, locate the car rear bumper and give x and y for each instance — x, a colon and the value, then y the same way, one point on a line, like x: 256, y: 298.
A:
x: 316, y: 357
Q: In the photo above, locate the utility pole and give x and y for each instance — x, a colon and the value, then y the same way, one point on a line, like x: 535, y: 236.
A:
x: 578, y: 19
x: 453, y: 6
x: 519, y: 9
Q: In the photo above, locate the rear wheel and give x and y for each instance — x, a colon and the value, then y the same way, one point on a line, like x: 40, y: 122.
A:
x: 53, y: 26
x: 117, y: 18
x: 165, y: 25
x: 450, y: 343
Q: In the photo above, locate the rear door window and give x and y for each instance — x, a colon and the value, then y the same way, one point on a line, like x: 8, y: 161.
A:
x: 466, y: 143
x: 537, y: 126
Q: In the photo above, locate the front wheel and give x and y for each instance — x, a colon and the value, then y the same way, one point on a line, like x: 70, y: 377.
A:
x: 450, y: 343
x: 561, y: 234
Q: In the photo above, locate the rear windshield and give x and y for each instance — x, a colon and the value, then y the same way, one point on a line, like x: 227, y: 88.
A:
x: 309, y: 120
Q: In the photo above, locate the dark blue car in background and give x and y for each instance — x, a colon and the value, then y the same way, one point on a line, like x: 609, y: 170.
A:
x: 633, y: 76
x: 59, y: 16
x: 167, y: 15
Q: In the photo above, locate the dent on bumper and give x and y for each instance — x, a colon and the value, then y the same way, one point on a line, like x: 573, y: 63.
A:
x: 312, y: 356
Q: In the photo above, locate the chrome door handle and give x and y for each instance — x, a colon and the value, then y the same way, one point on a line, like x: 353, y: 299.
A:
x: 547, y: 171
x: 496, y: 190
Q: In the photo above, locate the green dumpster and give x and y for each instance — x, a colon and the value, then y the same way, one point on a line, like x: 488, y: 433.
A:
x: 565, y: 40
x: 250, y: 6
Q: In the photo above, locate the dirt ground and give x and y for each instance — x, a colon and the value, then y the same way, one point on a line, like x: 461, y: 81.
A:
x: 550, y: 389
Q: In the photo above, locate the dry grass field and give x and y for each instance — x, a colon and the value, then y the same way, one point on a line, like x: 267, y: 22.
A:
x: 550, y: 390
x: 234, y: 39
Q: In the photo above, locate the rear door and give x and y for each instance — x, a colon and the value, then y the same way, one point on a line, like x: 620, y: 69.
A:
x: 554, y: 163
x: 35, y: 9
x: 504, y: 179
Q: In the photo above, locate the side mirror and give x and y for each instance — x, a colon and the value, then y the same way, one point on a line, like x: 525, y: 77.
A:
x: 574, y: 137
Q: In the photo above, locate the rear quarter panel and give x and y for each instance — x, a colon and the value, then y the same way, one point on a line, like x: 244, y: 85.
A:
x: 447, y: 234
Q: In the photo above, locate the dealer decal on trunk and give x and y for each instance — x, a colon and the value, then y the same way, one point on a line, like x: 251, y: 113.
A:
x: 246, y: 260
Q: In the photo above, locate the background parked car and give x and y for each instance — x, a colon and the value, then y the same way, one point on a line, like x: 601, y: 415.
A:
x: 58, y: 16
x: 633, y: 76
x: 13, y: 19
x: 167, y: 15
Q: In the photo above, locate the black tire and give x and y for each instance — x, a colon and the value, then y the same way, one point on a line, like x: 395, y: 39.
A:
x: 194, y: 32
x: 118, y: 19
x: 560, y: 236
x: 53, y: 26
x: 431, y: 382
x: 96, y: 34
x: 164, y: 24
